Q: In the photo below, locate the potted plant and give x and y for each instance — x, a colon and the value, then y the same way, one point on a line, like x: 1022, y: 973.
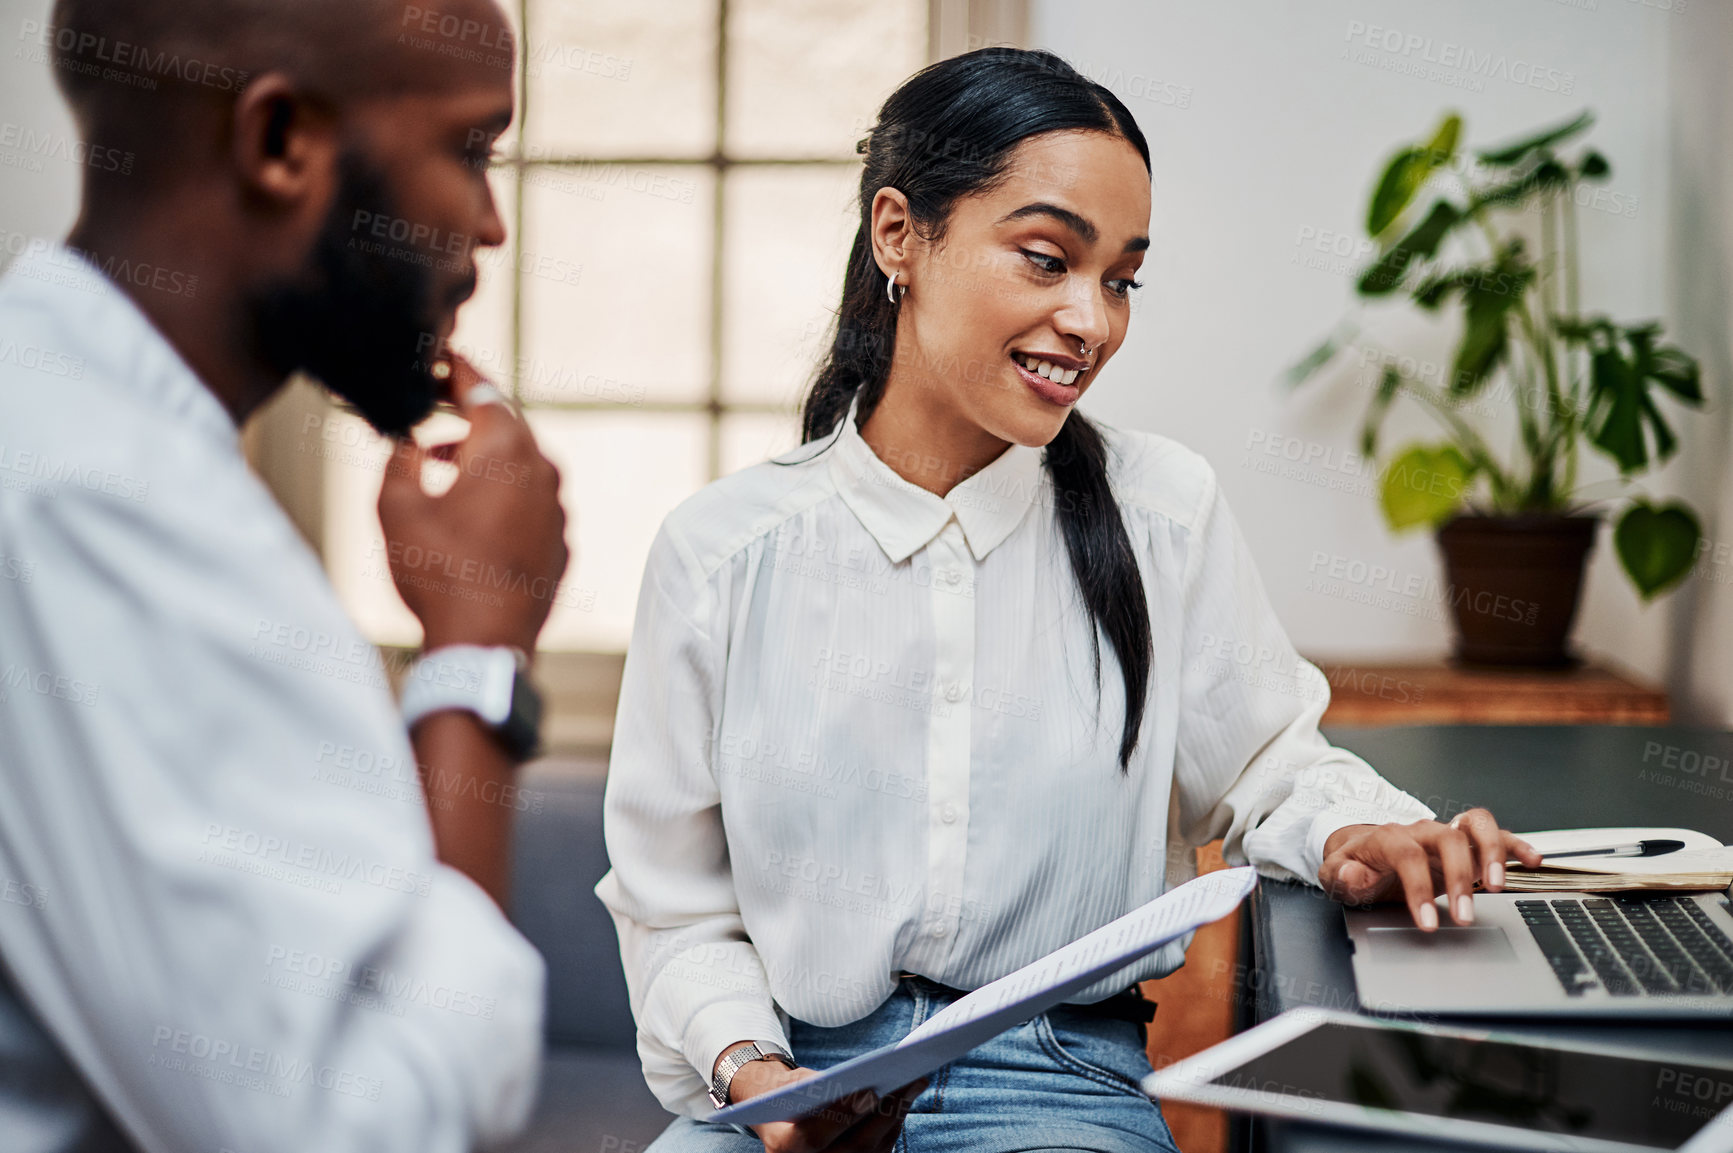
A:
x: 1447, y: 230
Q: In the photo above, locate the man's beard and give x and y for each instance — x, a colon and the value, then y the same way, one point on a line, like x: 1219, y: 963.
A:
x: 362, y: 323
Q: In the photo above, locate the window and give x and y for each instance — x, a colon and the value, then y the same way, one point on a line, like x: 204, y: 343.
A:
x: 680, y: 191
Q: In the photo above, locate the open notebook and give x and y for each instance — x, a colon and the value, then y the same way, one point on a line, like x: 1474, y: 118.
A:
x: 1704, y: 863
x: 1012, y: 999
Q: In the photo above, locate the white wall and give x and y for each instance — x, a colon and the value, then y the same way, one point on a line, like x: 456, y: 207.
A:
x: 1700, y: 249
x: 1264, y: 134
x: 38, y: 186
x: 1269, y: 121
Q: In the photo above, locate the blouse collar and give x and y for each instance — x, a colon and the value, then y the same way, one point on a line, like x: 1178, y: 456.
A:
x: 904, y: 518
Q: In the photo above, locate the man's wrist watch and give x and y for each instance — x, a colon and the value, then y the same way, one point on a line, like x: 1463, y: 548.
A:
x: 491, y: 682
x: 745, y: 1055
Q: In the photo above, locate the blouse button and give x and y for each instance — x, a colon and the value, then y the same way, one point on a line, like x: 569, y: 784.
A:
x: 937, y: 931
x: 948, y: 814
x: 954, y: 693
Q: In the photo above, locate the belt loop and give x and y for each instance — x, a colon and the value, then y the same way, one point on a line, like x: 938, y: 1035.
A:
x: 916, y: 990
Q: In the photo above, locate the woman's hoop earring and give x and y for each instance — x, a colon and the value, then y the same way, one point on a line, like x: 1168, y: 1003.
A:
x: 891, y: 290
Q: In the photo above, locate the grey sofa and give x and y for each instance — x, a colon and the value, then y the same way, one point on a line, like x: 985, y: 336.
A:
x: 593, y: 1097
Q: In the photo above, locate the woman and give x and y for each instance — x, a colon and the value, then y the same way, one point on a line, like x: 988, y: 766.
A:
x: 965, y: 676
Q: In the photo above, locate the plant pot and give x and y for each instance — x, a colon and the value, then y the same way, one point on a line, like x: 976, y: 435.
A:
x: 1513, y: 585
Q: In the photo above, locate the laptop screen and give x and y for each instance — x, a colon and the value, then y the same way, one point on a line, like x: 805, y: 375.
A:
x: 1645, y: 1102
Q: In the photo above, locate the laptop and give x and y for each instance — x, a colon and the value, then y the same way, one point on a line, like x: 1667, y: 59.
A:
x: 1636, y: 954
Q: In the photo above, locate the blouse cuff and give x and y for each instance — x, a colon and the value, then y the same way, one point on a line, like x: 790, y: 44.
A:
x: 1335, y: 817
x: 717, y: 1026
x: 1325, y: 826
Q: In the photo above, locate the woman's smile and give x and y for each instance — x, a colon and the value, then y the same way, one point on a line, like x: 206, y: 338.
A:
x: 1051, y: 377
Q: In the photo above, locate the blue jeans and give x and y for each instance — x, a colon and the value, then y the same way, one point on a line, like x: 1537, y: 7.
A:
x: 1062, y: 1081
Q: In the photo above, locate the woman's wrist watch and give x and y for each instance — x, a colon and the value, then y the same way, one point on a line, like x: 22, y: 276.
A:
x: 490, y: 681
x: 731, y: 1062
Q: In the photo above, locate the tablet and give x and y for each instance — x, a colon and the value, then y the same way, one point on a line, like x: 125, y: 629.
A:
x: 1482, y: 1087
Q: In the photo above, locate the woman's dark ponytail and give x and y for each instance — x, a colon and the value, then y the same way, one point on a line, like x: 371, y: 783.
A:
x: 859, y: 361
x: 948, y: 132
x: 1103, y: 562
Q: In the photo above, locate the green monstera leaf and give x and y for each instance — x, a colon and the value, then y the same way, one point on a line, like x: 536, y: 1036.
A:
x: 1413, y: 250
x: 1622, y: 417
x: 1407, y: 171
x: 1656, y: 545
x: 1515, y: 153
x: 1423, y: 485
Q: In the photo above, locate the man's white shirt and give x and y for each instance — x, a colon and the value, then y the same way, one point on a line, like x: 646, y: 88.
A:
x: 221, y: 897
x: 860, y: 733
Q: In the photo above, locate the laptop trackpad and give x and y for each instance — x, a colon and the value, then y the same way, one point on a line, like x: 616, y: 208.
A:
x: 1455, y: 943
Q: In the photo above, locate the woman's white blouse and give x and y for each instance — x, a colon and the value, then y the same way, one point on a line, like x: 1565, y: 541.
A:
x: 861, y: 732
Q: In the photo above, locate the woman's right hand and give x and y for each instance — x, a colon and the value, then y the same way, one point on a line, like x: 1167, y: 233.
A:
x: 862, y: 1122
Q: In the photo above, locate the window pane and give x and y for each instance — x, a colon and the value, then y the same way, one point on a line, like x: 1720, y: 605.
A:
x: 354, y: 457
x: 806, y: 77
x: 750, y: 437
x: 616, y: 303
x: 483, y: 333
x: 620, y: 475
x: 788, y: 231
x: 621, y: 78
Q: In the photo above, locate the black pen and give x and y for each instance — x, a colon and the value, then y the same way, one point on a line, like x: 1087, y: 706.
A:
x: 1639, y: 849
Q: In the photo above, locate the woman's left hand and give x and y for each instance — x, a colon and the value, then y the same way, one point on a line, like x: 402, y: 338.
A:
x: 1367, y: 863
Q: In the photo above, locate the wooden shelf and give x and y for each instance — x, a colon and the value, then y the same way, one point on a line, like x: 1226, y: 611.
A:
x: 1442, y: 693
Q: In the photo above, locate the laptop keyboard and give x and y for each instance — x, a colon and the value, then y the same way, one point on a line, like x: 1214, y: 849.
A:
x: 1631, y: 945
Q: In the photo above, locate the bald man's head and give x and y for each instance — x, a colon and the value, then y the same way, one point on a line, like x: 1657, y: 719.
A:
x: 325, y: 161
x: 141, y: 75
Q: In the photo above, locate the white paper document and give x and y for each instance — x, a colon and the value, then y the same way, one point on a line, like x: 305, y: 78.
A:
x: 1009, y: 1001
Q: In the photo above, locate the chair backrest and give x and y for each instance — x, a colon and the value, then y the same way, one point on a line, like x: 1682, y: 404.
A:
x: 558, y: 858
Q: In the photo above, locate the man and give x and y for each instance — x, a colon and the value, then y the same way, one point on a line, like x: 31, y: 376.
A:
x: 229, y: 922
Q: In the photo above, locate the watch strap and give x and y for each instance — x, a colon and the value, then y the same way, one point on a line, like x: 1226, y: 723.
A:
x: 473, y: 678
x: 732, y: 1062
